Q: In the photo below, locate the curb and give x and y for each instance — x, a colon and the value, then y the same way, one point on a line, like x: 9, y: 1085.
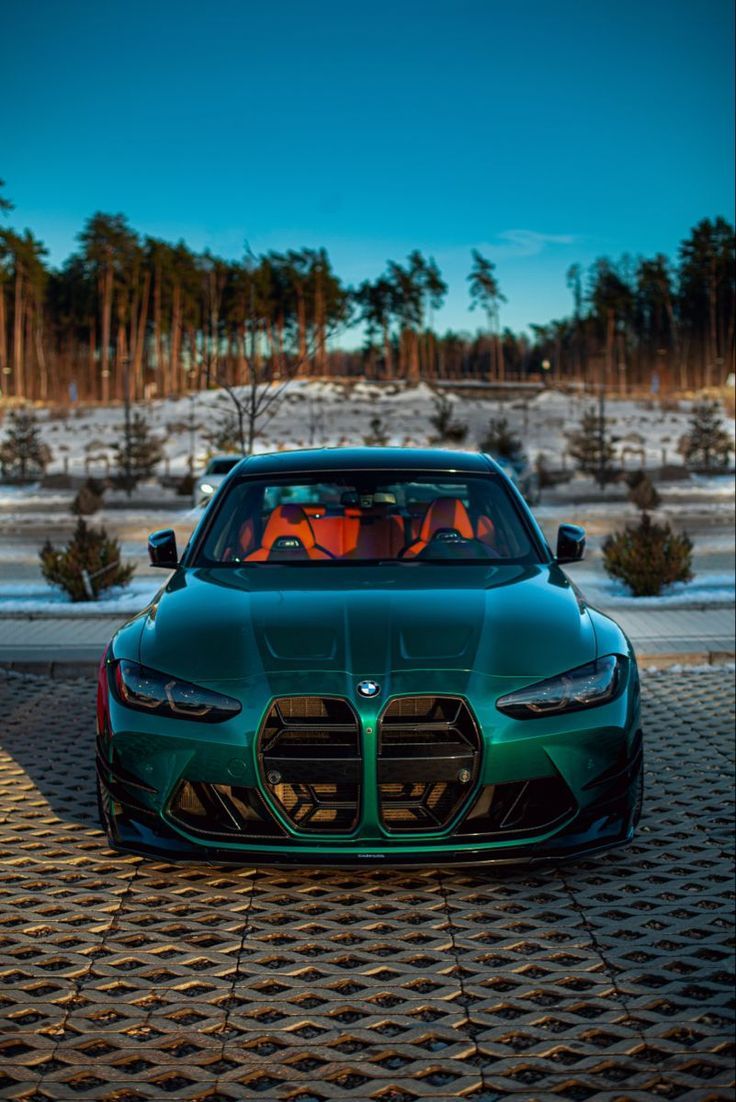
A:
x: 685, y: 658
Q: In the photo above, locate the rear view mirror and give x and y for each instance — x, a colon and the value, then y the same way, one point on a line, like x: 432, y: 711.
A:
x: 162, y: 548
x: 570, y: 543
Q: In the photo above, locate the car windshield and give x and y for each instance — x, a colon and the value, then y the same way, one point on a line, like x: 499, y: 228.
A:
x: 222, y: 466
x: 367, y: 516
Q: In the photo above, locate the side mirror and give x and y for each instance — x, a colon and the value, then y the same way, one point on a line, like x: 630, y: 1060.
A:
x: 162, y: 548
x: 570, y: 543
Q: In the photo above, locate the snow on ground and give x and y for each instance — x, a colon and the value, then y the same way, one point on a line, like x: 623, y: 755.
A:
x: 678, y: 667
x: 37, y: 598
x: 710, y: 589
x: 314, y: 413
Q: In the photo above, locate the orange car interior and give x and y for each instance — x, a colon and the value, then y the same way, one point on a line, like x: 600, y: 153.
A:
x: 288, y: 534
x: 443, y: 513
x: 377, y: 531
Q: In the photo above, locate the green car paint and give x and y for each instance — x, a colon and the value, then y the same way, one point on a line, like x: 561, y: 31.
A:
x: 467, y: 634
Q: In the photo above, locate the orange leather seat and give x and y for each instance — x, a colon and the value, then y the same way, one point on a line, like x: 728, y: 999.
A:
x: 288, y: 522
x: 377, y: 536
x: 443, y: 512
x: 485, y: 531
x: 332, y: 533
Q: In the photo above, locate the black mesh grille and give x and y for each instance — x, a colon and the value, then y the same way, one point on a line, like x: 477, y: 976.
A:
x: 309, y: 755
x: 428, y: 761
x: 222, y: 811
x: 518, y: 808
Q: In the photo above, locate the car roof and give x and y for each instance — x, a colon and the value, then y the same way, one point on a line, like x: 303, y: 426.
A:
x: 367, y: 459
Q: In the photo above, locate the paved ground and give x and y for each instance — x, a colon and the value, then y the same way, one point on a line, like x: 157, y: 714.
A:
x: 123, y: 980
x: 699, y: 634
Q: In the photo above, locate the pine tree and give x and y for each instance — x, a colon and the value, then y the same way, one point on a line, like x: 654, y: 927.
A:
x: 448, y: 430
x: 89, y: 564
x: 136, y: 453
x: 707, y: 445
x: 23, y: 453
x: 500, y: 441
x: 377, y: 437
x: 592, y: 447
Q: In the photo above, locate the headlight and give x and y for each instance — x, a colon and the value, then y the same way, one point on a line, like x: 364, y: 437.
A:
x: 207, y: 488
x: 150, y: 691
x: 584, y: 687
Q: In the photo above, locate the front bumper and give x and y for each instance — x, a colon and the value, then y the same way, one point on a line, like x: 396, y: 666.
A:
x: 576, y: 787
x: 133, y: 831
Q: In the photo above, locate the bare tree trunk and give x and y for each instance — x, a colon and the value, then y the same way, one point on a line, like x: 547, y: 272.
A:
x: 728, y: 350
x: 387, y: 352
x: 674, y: 336
x: 683, y: 363
x: 319, y: 325
x: 610, y: 335
x: 133, y: 337
x: 196, y: 366
x: 140, y: 339
x: 19, y: 380
x: 712, y: 325
x: 92, y: 361
x: 106, y: 325
x: 413, y: 355
x: 301, y: 315
x: 43, y: 377
x: 29, y: 374
x: 121, y: 354
x: 3, y: 336
x: 175, y: 374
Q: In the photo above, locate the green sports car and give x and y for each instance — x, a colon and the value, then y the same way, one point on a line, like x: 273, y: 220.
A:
x: 368, y: 655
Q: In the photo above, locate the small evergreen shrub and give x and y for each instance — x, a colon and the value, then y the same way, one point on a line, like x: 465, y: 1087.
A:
x: 500, y: 441
x: 89, y: 498
x: 592, y: 447
x: 642, y: 492
x: 137, y: 453
x: 377, y: 437
x: 22, y: 453
x: 648, y: 556
x: 706, y: 445
x: 89, y: 564
x: 448, y: 430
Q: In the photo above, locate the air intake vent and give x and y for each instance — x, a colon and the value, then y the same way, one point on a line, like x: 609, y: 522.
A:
x: 309, y: 757
x: 229, y: 812
x: 428, y: 762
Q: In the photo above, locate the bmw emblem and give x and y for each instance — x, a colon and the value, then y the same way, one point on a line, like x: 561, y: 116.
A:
x: 369, y: 688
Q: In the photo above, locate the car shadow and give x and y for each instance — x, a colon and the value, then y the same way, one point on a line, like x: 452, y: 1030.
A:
x: 47, y: 746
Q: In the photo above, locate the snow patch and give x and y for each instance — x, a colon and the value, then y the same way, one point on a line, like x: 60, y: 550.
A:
x: 39, y: 598
x: 711, y: 589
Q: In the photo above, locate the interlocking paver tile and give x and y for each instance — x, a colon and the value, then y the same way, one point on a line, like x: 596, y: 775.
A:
x: 123, y: 980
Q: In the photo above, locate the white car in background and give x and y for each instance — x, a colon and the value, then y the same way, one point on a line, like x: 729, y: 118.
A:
x: 218, y: 467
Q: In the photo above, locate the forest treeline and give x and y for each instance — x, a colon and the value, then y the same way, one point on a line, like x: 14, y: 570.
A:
x: 127, y: 310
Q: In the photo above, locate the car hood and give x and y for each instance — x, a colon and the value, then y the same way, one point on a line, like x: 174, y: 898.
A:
x: 237, y: 623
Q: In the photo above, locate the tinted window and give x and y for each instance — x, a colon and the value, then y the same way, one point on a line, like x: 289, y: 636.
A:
x: 222, y: 466
x: 368, y: 516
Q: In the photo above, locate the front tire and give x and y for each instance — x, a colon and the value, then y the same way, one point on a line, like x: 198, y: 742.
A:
x: 638, y: 795
x: 100, y: 805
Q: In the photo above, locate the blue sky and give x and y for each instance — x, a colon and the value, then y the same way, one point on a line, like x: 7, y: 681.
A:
x: 542, y: 133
